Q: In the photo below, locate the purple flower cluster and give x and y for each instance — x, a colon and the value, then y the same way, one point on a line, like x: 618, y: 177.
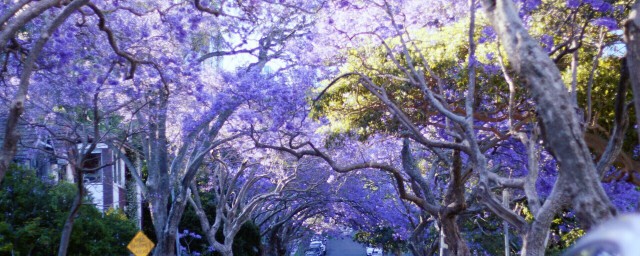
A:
x: 609, y: 23
x: 596, y: 5
x: 188, y: 234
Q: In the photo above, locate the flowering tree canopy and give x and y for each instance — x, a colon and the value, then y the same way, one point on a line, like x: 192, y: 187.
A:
x: 423, y: 126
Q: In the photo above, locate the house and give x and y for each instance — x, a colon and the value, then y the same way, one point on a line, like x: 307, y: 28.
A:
x: 105, y: 183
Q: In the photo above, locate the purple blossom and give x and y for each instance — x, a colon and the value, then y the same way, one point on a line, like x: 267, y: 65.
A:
x: 573, y: 4
x: 487, y: 34
x: 599, y: 5
x: 606, y: 22
x: 547, y: 42
x: 491, y: 69
x: 624, y: 195
x: 604, y: 7
x: 490, y: 56
x: 530, y: 5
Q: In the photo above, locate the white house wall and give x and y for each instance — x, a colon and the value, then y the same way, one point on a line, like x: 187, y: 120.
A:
x: 95, y: 191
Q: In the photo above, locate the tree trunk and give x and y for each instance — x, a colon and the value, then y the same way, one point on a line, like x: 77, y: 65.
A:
x: 159, y: 216
x: 430, y: 250
x: 416, y: 241
x: 561, y: 130
x: 65, y: 236
x: 166, y: 244
x: 281, y: 249
x: 535, y: 240
x: 226, y: 251
x: 456, y: 245
x: 454, y: 203
x: 632, y: 38
x: 159, y: 179
x: 536, y: 236
x: 274, y: 244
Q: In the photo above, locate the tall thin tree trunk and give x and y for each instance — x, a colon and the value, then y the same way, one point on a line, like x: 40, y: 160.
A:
x: 453, y: 204
x: 159, y: 179
x: 65, y: 237
x: 632, y: 38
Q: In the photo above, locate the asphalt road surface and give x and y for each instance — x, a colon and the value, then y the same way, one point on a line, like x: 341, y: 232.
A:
x: 345, y: 247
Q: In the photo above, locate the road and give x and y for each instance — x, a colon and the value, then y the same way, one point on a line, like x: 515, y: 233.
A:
x: 345, y: 247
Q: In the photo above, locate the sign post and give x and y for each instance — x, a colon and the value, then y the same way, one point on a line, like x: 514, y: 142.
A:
x: 140, y: 245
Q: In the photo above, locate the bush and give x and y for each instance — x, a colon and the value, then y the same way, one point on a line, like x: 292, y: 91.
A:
x: 32, y: 213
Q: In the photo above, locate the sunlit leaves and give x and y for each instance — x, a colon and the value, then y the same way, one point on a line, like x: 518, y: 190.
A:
x: 350, y: 108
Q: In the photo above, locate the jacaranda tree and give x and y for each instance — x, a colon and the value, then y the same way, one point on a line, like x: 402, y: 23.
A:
x: 425, y: 126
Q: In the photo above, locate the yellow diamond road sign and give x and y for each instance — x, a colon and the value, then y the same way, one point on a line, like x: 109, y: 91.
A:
x: 140, y: 245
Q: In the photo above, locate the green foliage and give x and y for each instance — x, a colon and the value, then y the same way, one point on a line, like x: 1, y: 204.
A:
x: 247, y: 240
x: 98, y: 234
x: 486, y: 232
x: 34, y: 211
x: 570, y: 237
x: 606, y: 76
x: 132, y: 200
x: 528, y: 216
x: 353, y: 111
x: 382, y: 236
x: 564, y: 232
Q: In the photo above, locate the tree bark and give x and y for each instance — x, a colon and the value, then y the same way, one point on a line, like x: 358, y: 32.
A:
x: 226, y: 251
x: 158, y: 180
x: 560, y: 128
x: 454, y: 203
x: 536, y: 236
x: 416, y: 243
x: 456, y: 245
x: 275, y: 244
x: 65, y: 236
x: 632, y: 38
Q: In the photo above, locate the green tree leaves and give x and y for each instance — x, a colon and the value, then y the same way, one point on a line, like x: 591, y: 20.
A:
x: 33, y: 212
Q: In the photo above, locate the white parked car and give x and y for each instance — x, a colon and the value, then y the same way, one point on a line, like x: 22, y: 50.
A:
x: 374, y: 251
x: 317, y: 238
x: 320, y: 245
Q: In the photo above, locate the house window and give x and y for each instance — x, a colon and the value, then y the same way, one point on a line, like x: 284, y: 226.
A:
x: 90, y: 169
